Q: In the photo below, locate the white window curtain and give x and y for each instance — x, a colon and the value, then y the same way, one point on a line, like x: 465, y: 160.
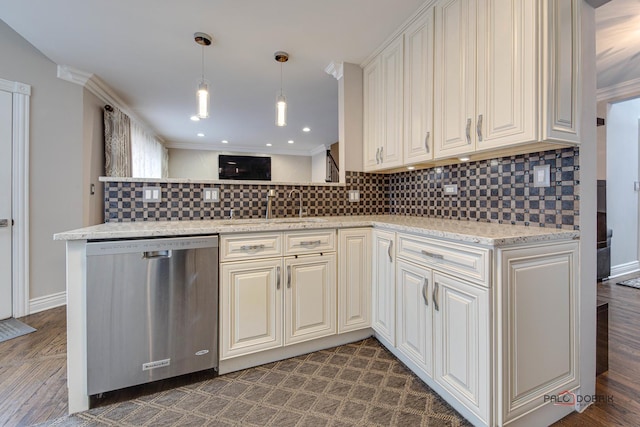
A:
x: 149, y: 158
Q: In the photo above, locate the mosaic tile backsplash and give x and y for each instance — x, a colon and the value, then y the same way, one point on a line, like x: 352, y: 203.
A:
x: 497, y: 190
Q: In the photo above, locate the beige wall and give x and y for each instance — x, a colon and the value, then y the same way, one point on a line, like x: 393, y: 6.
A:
x: 56, y: 158
x: 202, y: 164
x: 319, y: 167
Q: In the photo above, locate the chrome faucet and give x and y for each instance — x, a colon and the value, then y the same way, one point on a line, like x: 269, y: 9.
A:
x: 270, y: 196
x: 299, y: 198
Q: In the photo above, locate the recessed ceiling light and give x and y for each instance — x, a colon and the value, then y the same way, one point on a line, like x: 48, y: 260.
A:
x: 200, y: 134
x: 224, y: 141
x: 290, y: 141
x: 195, y: 118
x: 269, y: 145
x: 306, y: 129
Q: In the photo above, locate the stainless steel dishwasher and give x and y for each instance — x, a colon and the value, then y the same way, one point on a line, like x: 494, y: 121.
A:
x: 152, y: 310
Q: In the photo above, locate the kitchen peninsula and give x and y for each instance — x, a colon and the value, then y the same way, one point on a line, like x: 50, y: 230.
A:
x: 484, y: 313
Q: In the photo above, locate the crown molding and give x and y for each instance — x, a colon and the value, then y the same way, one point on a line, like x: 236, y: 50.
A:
x: 619, y: 91
x: 235, y: 149
x: 336, y: 69
x: 73, y: 75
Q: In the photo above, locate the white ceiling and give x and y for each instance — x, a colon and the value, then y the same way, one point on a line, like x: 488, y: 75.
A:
x: 618, y: 42
x: 144, y: 50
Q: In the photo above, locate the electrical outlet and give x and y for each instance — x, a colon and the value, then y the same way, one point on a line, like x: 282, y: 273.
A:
x: 151, y: 194
x: 451, y: 189
x: 542, y: 176
x: 354, y: 195
x: 211, y: 195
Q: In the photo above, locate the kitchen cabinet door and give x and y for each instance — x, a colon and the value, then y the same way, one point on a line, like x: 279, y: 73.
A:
x: 507, y: 90
x: 310, y: 297
x: 354, y: 279
x: 455, y: 77
x: 250, y: 307
x: 418, y: 90
x: 414, y: 328
x: 392, y: 104
x: 383, y: 285
x: 372, y: 114
x: 462, y: 341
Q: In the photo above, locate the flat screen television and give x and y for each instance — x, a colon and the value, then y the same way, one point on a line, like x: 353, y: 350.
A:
x: 244, y: 167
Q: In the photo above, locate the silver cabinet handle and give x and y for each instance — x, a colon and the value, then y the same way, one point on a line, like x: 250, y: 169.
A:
x: 426, y: 141
x: 310, y: 243
x: 251, y: 247
x: 278, y: 277
x: 156, y: 254
x: 425, y: 291
x: 432, y: 255
x: 468, y: 131
x: 434, y: 296
x: 4, y: 223
x: 378, y: 156
x: 289, y: 277
x: 389, y: 251
x: 479, y: 128
x: 381, y: 155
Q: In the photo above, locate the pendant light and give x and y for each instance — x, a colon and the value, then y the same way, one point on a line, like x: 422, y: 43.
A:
x: 202, y: 95
x: 281, y: 101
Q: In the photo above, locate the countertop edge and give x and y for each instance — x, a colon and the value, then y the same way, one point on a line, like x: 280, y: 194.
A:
x: 344, y: 222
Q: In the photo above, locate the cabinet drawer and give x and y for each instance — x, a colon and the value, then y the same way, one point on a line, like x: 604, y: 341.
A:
x: 306, y: 242
x: 467, y: 261
x: 250, y: 246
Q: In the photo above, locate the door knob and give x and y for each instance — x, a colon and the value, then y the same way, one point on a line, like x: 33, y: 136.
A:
x: 4, y: 222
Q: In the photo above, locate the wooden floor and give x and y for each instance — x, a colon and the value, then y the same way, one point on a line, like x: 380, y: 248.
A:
x: 33, y: 371
x: 33, y: 368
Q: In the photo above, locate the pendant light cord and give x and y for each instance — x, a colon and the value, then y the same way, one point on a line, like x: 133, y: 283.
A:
x: 203, y: 62
x: 281, y: 79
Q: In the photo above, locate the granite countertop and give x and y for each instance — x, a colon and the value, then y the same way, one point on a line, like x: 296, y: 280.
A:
x: 482, y: 233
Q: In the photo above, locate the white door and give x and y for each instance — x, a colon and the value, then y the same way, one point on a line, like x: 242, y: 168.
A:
x: 383, y: 285
x: 310, y: 297
x: 461, y: 324
x: 5, y: 204
x: 354, y: 279
x: 251, y: 307
x: 413, y: 314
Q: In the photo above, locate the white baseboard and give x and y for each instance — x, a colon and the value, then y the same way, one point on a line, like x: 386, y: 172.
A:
x: 46, y: 302
x: 622, y: 269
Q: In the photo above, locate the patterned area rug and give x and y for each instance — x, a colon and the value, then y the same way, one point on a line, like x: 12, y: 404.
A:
x: 12, y: 328
x: 359, y: 384
x: 634, y: 283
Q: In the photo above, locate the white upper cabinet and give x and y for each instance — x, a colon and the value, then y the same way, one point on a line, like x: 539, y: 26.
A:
x: 383, y: 108
x: 418, y: 90
x: 477, y: 76
x: 455, y: 30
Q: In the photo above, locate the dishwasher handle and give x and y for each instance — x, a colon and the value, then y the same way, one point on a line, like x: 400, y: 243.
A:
x: 156, y: 254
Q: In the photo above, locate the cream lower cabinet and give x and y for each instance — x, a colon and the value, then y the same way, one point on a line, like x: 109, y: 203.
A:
x: 462, y: 341
x: 414, y: 324
x: 354, y: 279
x: 310, y: 297
x: 492, y: 330
x: 383, y: 285
x: 250, y: 306
x: 276, y: 289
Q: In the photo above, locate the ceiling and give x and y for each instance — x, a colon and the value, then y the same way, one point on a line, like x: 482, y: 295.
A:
x: 617, y: 42
x: 144, y: 50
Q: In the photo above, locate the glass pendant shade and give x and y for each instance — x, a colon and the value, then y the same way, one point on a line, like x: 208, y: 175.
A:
x: 203, y: 99
x: 281, y: 110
